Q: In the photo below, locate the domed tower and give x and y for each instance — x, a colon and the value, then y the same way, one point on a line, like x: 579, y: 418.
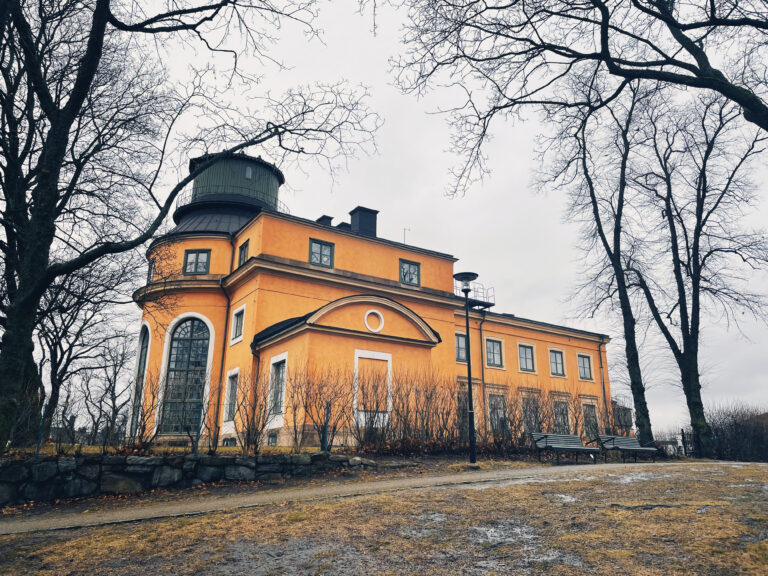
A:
x: 227, y: 194
x: 186, y: 310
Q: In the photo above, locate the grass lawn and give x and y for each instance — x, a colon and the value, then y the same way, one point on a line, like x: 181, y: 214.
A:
x: 688, y: 518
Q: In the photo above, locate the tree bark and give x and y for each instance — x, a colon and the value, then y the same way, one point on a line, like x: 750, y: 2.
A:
x: 703, y: 440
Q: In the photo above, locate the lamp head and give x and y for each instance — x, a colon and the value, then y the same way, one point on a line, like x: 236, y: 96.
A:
x: 465, y: 278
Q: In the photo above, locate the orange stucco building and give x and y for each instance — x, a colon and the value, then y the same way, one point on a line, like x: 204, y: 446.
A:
x: 240, y: 289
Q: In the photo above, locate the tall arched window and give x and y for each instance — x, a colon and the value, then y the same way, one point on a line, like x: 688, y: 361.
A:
x: 185, y: 378
x: 140, y: 373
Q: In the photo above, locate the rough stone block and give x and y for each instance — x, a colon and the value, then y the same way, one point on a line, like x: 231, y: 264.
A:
x: 301, y: 459
x: 269, y: 468
x: 247, y: 461
x: 7, y: 493
x: 166, y: 476
x: 39, y: 492
x: 114, y: 460
x: 117, y: 484
x: 209, y: 473
x: 77, y: 487
x: 139, y: 469
x: 67, y: 465
x: 302, y: 470
x: 319, y: 456
x: 144, y: 460
x: 270, y: 477
x: 338, y: 458
x: 368, y: 463
x: 90, y: 471
x: 44, y: 471
x: 14, y: 472
x: 189, y: 466
x: 267, y: 458
x: 238, y: 473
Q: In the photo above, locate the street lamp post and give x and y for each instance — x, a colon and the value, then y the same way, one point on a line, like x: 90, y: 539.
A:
x: 465, y: 278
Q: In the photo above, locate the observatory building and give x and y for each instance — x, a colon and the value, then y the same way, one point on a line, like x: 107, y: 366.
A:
x: 248, y: 308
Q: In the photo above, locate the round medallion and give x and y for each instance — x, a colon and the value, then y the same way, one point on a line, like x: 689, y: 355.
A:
x: 377, y: 326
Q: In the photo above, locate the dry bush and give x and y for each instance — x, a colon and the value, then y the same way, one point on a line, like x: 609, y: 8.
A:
x: 252, y: 411
x: 328, y: 401
x: 740, y: 432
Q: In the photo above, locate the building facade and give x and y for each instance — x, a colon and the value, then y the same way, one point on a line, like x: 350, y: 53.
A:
x: 242, y: 298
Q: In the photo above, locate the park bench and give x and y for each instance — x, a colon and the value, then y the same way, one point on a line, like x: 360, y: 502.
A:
x: 562, y: 444
x: 626, y: 445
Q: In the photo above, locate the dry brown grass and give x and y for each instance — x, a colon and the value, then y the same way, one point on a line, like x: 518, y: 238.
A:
x: 699, y: 518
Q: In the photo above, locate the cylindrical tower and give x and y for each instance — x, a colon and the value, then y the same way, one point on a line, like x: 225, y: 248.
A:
x: 227, y: 194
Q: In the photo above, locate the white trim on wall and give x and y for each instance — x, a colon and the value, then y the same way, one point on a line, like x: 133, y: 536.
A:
x: 144, y: 324
x: 228, y: 426
x: 373, y: 355
x: 277, y: 420
x: 232, y: 338
x: 166, y: 352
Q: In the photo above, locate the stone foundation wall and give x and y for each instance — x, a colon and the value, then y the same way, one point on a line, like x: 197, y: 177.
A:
x: 52, y: 478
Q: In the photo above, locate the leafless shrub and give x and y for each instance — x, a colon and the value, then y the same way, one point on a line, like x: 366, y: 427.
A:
x: 328, y: 404
x: 252, y: 412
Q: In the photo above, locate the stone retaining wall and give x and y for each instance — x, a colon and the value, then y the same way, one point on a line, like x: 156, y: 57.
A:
x: 51, y: 478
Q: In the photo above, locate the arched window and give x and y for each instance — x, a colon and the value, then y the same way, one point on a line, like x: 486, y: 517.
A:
x: 185, y: 378
x: 140, y: 373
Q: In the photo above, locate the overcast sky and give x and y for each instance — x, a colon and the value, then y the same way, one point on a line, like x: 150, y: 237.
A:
x: 519, y: 242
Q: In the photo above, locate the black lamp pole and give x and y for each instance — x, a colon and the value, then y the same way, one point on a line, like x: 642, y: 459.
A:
x: 465, y: 278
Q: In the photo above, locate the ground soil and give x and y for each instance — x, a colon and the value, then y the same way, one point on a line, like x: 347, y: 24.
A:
x: 699, y: 517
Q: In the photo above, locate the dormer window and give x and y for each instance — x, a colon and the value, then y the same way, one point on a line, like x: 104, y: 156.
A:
x: 410, y: 273
x: 248, y: 173
x: 196, y: 261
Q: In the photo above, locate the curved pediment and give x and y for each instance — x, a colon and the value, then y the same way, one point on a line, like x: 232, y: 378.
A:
x: 371, y: 314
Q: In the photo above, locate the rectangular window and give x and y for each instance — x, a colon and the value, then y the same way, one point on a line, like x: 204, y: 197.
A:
x: 497, y: 414
x: 585, y: 367
x: 151, y: 272
x: 231, y: 406
x: 242, y: 253
x: 248, y: 173
x: 493, y: 355
x: 556, y: 365
x: 461, y: 348
x: 410, y: 272
x: 525, y: 353
x: 562, y: 421
x: 531, y: 414
x: 272, y: 439
x: 237, y: 324
x: 590, y: 421
x: 320, y: 253
x: 196, y: 261
x: 278, y: 386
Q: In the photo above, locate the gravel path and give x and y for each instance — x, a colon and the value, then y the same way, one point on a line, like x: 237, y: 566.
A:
x: 62, y: 519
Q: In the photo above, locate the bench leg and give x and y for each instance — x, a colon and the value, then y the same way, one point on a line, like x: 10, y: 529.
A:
x: 577, y: 457
x: 539, y: 452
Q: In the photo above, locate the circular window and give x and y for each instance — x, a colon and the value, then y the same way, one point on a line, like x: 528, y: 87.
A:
x: 375, y: 325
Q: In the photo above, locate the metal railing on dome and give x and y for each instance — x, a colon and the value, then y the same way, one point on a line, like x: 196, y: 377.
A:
x: 185, y: 196
x: 477, y: 292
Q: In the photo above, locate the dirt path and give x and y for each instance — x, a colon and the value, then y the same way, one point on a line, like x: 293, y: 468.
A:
x: 62, y: 519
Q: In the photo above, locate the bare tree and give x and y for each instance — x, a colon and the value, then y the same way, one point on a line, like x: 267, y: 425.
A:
x: 591, y: 156
x: 252, y: 412
x: 88, y: 116
x: 509, y: 55
x: 697, y: 179
x: 329, y: 402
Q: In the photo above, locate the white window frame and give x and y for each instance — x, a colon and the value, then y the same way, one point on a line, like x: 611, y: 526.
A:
x: 503, y: 353
x: 164, y: 366
x: 591, y: 367
x: 372, y: 355
x: 232, y: 338
x: 549, y: 354
x: 277, y: 420
x: 228, y: 426
x: 535, y: 363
